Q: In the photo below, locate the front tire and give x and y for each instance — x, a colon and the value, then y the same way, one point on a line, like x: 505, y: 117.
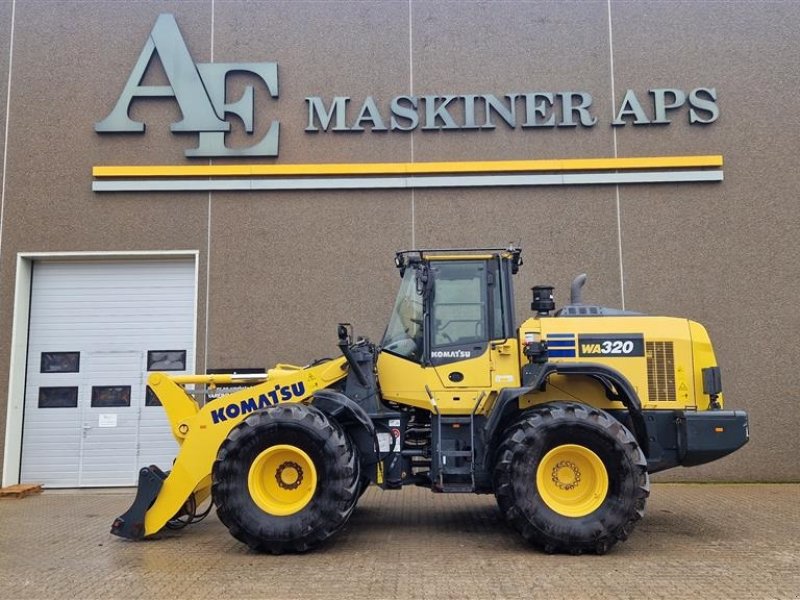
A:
x: 571, y: 478
x: 285, y: 479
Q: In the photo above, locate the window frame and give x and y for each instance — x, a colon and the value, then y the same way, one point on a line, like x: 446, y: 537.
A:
x: 77, y: 368
x: 56, y: 387
x: 151, y: 352
x: 97, y: 388
x: 481, y: 268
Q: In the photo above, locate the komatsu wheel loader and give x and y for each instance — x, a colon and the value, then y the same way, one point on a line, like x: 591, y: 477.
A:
x: 562, y: 418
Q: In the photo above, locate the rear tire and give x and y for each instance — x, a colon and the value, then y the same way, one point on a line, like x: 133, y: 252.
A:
x: 571, y: 478
x: 285, y: 479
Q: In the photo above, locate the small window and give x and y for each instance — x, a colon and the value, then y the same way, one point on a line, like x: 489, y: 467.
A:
x: 60, y: 362
x: 58, y: 397
x: 111, y: 395
x: 150, y: 398
x: 403, y: 335
x: 166, y: 360
x: 496, y: 290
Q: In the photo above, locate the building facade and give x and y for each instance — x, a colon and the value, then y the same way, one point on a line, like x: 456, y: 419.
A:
x: 212, y: 184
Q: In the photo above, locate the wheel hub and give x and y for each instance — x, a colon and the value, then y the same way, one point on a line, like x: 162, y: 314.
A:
x: 572, y: 480
x: 566, y: 475
x: 282, y: 480
x: 289, y: 475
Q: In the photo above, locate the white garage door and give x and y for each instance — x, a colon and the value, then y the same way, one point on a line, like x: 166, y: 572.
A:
x: 95, y: 330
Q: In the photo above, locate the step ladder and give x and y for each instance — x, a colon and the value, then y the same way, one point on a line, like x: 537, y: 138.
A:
x: 452, y: 476
x: 452, y: 471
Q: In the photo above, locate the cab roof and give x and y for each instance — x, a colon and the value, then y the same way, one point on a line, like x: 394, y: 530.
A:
x: 405, y: 258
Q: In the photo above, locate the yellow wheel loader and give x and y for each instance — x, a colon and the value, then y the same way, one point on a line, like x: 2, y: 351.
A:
x: 561, y: 418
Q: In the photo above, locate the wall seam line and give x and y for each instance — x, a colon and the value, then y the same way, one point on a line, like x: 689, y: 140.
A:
x: 616, y: 155
x: 208, y: 232
x: 7, y: 123
x: 411, y: 93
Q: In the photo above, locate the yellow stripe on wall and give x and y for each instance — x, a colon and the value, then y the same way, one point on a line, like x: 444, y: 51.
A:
x: 409, y: 168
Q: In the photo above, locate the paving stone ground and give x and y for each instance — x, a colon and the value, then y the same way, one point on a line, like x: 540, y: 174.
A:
x: 696, y: 541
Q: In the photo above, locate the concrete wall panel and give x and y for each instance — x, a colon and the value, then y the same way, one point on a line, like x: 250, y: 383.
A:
x: 70, y: 65
x: 558, y: 241
x: 287, y: 267
x: 326, y: 49
x: 724, y: 254
x: 512, y: 47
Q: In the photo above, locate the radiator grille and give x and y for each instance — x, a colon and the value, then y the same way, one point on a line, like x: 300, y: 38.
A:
x: 660, y: 371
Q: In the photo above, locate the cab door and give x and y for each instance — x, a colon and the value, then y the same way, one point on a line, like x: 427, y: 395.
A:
x: 458, y: 332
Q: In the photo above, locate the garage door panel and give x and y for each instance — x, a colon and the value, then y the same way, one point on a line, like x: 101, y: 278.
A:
x: 51, y: 417
x: 57, y: 479
x: 96, y: 457
x: 118, y: 438
x: 51, y: 421
x: 113, y: 313
x: 109, y: 479
x: 96, y: 446
x: 50, y: 379
x: 55, y: 438
x: 127, y: 309
x: 55, y: 454
x: 52, y: 441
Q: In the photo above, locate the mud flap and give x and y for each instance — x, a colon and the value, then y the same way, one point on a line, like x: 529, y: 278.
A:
x: 131, y: 524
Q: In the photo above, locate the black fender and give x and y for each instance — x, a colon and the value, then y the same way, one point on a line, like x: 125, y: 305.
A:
x: 617, y: 387
x: 505, y: 407
x: 353, y: 419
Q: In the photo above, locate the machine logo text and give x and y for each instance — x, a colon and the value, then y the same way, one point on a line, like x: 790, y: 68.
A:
x: 243, y: 407
x: 451, y: 354
x: 611, y: 345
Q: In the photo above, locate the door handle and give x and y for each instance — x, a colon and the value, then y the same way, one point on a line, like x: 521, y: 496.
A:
x: 456, y: 376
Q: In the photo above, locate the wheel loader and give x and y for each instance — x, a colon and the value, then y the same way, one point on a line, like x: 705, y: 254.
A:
x: 562, y: 418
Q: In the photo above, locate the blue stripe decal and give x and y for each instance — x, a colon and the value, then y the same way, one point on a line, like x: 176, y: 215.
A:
x: 561, y: 335
x: 561, y: 343
x: 561, y: 353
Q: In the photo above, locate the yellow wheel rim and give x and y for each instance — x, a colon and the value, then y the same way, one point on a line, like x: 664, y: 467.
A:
x: 572, y: 480
x: 282, y: 480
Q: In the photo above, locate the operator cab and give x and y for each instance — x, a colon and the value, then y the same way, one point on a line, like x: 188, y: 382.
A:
x: 451, y: 304
x: 449, y: 342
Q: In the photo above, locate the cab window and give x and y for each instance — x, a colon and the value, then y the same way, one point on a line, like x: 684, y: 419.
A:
x: 403, y: 335
x: 458, y: 311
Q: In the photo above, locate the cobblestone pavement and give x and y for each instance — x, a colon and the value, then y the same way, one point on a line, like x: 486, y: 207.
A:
x: 696, y: 541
